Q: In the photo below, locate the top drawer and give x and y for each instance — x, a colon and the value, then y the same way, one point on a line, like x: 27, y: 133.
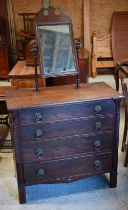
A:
x: 66, y: 111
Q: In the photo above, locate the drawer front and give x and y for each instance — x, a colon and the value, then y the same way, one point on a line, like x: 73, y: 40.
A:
x: 67, y: 111
x: 67, y: 128
x: 67, y: 169
x: 66, y: 147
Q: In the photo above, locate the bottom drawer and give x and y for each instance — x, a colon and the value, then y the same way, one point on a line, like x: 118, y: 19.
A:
x: 65, y: 170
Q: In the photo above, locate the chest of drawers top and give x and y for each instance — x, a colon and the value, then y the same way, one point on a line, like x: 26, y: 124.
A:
x: 61, y: 95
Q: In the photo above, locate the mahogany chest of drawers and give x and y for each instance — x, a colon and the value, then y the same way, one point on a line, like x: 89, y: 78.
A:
x: 64, y: 133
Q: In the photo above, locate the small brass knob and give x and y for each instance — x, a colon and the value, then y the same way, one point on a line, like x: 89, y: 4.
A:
x: 39, y: 133
x: 97, y: 145
x: 98, y: 165
x: 98, y: 126
x: 38, y: 117
x: 40, y: 173
x: 98, y: 109
x: 39, y: 153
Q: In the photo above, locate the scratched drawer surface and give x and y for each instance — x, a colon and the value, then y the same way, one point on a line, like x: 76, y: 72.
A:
x: 67, y: 111
x: 37, y: 151
x: 66, y: 128
x: 67, y: 169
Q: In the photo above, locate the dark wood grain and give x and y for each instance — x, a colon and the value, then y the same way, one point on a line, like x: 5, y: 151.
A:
x: 67, y: 111
x: 67, y: 128
x: 120, y: 35
x: 56, y: 171
x: 4, y: 65
x: 66, y: 147
x: 24, y: 98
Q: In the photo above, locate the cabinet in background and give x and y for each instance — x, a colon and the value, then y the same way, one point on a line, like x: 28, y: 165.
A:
x: 4, y: 66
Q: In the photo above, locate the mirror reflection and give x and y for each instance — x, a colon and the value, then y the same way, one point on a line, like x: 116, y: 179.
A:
x: 56, y: 50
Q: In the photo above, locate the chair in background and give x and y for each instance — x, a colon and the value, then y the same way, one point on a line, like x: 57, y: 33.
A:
x: 27, y: 34
x: 101, y: 53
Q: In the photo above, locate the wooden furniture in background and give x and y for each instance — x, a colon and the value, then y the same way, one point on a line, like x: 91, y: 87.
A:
x: 3, y: 106
x: 23, y: 76
x: 28, y: 23
x: 120, y: 56
x: 4, y: 25
x: 101, y: 53
x: 29, y: 58
x: 84, y: 64
x: 4, y: 65
x: 4, y: 40
x: 25, y: 35
x: 119, y: 33
x: 4, y: 120
x: 73, y: 133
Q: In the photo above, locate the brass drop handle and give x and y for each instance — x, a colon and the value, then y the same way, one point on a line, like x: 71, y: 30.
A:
x: 40, y: 173
x: 98, y: 126
x: 38, y: 117
x: 98, y: 109
x: 39, y: 133
x: 98, y: 165
x: 97, y: 145
x: 39, y: 153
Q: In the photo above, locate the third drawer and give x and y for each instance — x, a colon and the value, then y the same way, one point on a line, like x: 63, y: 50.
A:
x: 66, y: 147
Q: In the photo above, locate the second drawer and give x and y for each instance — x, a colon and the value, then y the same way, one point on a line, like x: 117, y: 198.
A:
x: 67, y: 128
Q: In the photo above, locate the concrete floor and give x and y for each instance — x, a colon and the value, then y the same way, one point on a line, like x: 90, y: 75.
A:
x: 92, y: 193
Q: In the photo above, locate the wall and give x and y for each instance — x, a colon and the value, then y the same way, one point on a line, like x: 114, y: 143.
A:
x: 20, y: 6
x: 101, y: 14
x: 72, y: 7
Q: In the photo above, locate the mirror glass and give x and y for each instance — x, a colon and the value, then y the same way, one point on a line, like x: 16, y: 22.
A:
x: 56, y: 52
